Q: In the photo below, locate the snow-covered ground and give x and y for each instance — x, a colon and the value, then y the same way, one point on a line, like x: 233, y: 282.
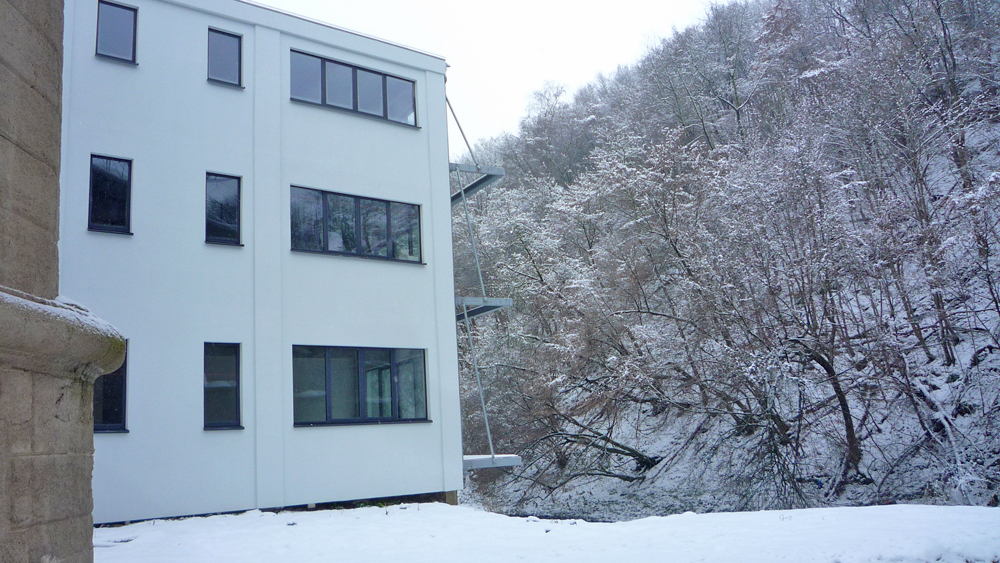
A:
x: 417, y: 533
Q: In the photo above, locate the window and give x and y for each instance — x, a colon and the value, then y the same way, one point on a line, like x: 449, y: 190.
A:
x: 110, y: 194
x: 369, y: 92
x: 399, y: 100
x: 357, y: 226
x: 344, y: 385
x: 340, y: 85
x: 109, y: 400
x: 116, y: 26
x: 225, y: 57
x: 222, y: 209
x: 222, y: 385
x: 307, y: 78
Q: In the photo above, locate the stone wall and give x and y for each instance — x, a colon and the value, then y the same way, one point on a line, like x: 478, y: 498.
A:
x: 50, y: 351
x: 50, y: 354
x: 30, y: 119
x: 45, y: 460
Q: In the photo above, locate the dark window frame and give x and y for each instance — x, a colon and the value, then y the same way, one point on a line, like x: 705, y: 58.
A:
x: 239, y: 211
x: 390, y: 249
x: 122, y: 427
x: 127, y: 229
x: 363, y: 389
x: 238, y: 425
x: 354, y: 88
x: 135, y: 33
x: 239, y: 72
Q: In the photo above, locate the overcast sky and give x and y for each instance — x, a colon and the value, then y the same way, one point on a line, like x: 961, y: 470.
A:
x: 502, y: 52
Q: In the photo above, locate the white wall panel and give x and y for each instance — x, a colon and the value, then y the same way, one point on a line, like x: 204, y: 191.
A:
x: 169, y: 292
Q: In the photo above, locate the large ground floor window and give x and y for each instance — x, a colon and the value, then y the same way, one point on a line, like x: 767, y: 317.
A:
x: 333, y: 385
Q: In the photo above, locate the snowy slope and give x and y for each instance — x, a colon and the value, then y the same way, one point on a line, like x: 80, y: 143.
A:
x: 437, y: 533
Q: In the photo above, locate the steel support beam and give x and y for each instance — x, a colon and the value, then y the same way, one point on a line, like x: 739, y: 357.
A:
x: 477, y: 306
x: 487, y: 175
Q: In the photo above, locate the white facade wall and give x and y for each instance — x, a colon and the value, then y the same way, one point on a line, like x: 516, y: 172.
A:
x: 169, y: 292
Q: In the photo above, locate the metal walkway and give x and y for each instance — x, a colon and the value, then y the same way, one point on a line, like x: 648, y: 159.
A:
x: 472, y: 307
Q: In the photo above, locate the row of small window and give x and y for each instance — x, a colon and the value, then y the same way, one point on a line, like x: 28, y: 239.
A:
x: 111, y: 195
x: 116, y: 39
x: 313, y: 79
x: 331, y: 385
x: 320, y: 221
x: 222, y: 391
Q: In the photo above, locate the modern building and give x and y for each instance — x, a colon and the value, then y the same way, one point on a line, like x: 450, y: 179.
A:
x: 260, y: 204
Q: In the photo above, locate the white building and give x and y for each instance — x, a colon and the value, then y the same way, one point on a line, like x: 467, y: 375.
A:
x: 260, y: 204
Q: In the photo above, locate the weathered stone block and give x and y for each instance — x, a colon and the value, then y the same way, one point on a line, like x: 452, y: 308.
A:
x: 28, y: 120
x: 20, y: 438
x: 21, y: 494
x: 28, y: 188
x: 47, y: 488
x: 46, y: 16
x: 15, y: 396
x: 15, y: 546
x: 29, y: 255
x: 5, y: 498
x: 69, y: 540
x: 16, y: 389
x: 61, y: 419
x: 55, y: 542
x: 29, y: 52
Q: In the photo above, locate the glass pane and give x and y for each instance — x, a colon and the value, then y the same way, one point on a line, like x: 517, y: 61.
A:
x: 223, y: 57
x: 399, y: 94
x: 378, y: 383
x: 341, y: 233
x: 307, y: 219
x: 306, y: 78
x: 222, y: 380
x: 339, y: 85
x: 405, y: 231
x: 309, y: 383
x: 110, y: 180
x: 343, y: 383
x: 370, y: 92
x: 109, y: 400
x: 412, y: 397
x: 222, y: 209
x: 116, y: 31
x: 373, y: 228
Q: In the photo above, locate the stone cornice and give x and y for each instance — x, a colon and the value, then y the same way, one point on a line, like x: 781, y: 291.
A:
x: 56, y: 338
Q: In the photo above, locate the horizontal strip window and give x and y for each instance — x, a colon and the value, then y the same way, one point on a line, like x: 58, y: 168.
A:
x: 342, y: 224
x: 340, y: 85
x: 336, y: 385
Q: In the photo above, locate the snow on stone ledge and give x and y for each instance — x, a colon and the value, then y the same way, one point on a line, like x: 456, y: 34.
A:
x: 56, y: 337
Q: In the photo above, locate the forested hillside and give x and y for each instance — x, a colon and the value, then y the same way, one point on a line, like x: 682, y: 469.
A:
x: 756, y: 269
